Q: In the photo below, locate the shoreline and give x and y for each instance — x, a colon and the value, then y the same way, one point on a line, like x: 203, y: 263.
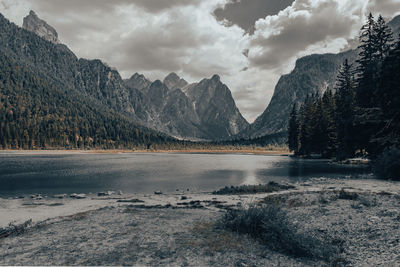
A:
x: 123, y: 151
x: 179, y: 228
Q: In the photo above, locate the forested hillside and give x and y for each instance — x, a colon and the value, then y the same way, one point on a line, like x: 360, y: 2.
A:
x: 361, y: 116
x: 35, y: 113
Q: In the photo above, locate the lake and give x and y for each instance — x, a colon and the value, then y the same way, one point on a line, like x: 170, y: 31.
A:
x: 54, y: 173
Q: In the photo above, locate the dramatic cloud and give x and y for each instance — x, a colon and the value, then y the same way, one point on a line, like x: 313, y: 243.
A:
x: 197, y: 38
x: 246, y: 12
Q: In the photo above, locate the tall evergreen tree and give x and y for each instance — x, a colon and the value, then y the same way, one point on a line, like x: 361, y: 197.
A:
x: 345, y: 111
x: 389, y: 99
x: 367, y: 67
x: 293, y: 139
x: 383, y: 39
x: 329, y: 115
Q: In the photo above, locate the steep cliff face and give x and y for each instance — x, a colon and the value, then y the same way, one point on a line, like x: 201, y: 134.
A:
x: 137, y: 81
x: 173, y: 81
x: 40, y: 27
x: 216, y: 108
x: 311, y: 75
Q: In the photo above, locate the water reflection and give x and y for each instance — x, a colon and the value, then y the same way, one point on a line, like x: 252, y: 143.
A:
x: 144, y: 173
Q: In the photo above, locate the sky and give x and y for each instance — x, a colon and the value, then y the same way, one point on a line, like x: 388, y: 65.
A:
x: 249, y: 43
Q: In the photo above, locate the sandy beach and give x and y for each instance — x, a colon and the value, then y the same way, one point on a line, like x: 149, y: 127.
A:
x: 179, y: 229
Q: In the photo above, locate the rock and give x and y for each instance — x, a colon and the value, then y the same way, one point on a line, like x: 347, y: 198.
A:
x: 73, y: 195
x: 37, y: 197
x: 158, y: 192
x: 60, y: 196
x: 80, y: 196
x: 184, y: 197
x: 40, y: 27
x: 120, y: 193
x: 102, y: 194
x: 173, y: 81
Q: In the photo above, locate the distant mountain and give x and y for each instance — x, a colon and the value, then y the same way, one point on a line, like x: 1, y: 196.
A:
x: 216, y: 108
x: 162, y: 106
x: 137, y: 81
x: 34, y: 24
x: 312, y: 74
x: 200, y: 111
x: 173, y: 81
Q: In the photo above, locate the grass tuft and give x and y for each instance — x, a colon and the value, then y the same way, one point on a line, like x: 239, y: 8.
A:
x: 271, y: 226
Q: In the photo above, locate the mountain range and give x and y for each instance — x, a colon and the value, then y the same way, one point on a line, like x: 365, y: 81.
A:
x: 200, y: 111
x: 204, y: 110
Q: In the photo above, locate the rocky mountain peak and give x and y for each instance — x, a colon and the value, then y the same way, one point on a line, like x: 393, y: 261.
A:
x: 40, y: 27
x: 137, y: 81
x: 173, y: 81
x: 215, y: 78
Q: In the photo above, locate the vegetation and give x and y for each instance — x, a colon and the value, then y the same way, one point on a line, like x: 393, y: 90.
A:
x: 271, y: 226
x: 361, y: 115
x: 387, y: 164
x: 36, y: 114
x: 253, y: 189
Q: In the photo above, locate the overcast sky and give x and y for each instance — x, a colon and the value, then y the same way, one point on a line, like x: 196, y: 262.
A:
x: 249, y: 43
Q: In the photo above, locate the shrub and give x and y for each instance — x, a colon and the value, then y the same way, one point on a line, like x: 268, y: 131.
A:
x: 271, y: 226
x: 348, y: 195
x: 387, y: 164
x: 253, y: 189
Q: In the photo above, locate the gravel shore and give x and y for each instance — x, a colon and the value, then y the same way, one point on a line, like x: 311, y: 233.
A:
x: 361, y: 216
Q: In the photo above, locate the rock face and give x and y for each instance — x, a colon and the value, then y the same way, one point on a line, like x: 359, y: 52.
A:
x: 214, y: 104
x: 173, y: 81
x: 204, y: 111
x: 34, y: 24
x: 137, y: 81
x: 312, y: 74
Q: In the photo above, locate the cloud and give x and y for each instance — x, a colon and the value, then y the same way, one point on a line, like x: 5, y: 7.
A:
x: 387, y: 8
x: 281, y: 37
x: 245, y: 13
x: 197, y: 38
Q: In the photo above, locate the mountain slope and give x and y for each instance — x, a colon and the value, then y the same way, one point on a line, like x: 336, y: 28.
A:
x: 216, y: 108
x: 34, y: 113
x: 155, y: 105
x: 312, y: 74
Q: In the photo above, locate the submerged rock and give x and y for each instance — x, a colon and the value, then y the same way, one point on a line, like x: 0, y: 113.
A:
x: 37, y: 197
x: 60, y: 196
x: 80, y: 196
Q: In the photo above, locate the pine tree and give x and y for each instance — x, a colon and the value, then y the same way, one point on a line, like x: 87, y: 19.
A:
x: 329, y: 107
x: 367, y: 67
x: 389, y: 101
x: 293, y: 131
x: 383, y: 39
x: 345, y: 111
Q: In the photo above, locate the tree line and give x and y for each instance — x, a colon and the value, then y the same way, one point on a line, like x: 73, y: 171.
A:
x: 36, y: 114
x: 360, y: 116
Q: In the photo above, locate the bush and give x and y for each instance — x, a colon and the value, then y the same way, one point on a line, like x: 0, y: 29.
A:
x: 253, y: 189
x: 270, y: 225
x: 387, y: 165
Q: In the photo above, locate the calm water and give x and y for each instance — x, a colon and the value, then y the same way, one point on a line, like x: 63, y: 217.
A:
x: 144, y: 173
